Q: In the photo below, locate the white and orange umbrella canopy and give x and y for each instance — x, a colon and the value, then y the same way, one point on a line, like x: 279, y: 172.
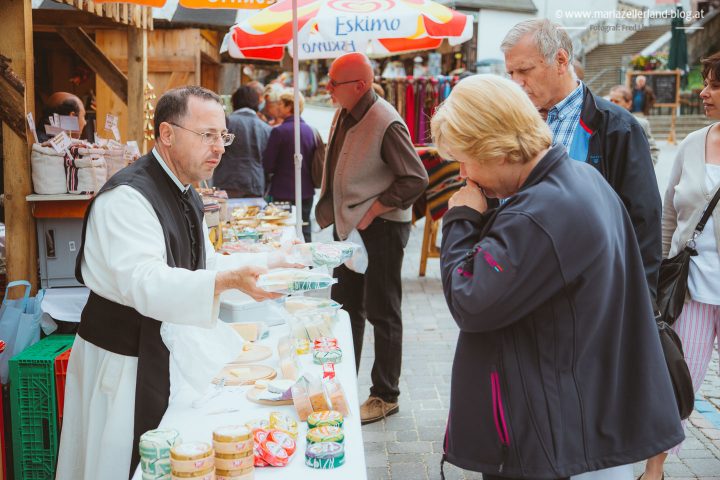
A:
x: 329, y: 28
x: 215, y: 4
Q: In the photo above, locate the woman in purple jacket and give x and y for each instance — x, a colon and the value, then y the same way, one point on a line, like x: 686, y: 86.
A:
x: 558, y: 368
x: 279, y: 163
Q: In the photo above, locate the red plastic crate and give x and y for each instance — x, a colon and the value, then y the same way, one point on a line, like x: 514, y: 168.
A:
x: 61, y: 364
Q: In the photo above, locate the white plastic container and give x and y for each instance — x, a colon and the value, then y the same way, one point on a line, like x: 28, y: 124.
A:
x: 236, y: 307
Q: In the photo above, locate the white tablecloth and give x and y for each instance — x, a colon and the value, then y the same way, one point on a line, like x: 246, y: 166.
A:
x: 197, y: 424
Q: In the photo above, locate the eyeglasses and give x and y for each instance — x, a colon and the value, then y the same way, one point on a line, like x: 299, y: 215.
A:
x: 210, y: 138
x: 334, y: 84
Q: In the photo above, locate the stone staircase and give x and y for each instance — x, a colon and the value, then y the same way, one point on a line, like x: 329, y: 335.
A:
x: 660, y: 125
x: 603, y: 64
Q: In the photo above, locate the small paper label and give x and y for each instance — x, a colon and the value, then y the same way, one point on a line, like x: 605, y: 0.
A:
x: 31, y: 124
x: 110, y: 121
x: 116, y: 133
x: 50, y: 130
x: 69, y: 123
x: 132, y: 148
x: 60, y: 142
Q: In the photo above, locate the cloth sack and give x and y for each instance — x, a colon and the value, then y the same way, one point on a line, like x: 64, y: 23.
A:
x: 318, y: 160
x: 86, y: 170
x: 116, y: 160
x: 48, y: 170
x: 19, y: 324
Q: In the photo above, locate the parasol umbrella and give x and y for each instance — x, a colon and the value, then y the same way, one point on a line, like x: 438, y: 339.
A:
x: 214, y: 4
x: 678, y: 58
x: 330, y: 28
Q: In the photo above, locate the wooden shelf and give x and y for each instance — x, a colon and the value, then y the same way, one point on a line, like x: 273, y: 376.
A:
x: 63, y: 197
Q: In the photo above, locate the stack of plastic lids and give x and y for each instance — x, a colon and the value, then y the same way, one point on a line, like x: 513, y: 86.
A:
x: 194, y: 460
x: 154, y: 450
x: 234, y: 459
x: 325, y: 440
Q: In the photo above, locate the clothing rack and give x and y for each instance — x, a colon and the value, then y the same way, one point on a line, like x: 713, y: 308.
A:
x: 415, y: 99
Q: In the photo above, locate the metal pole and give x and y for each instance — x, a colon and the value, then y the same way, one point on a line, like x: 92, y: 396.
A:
x: 296, y: 113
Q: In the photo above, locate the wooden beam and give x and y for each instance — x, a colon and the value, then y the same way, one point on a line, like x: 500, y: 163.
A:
x: 16, y: 43
x: 86, y: 48
x: 12, y: 103
x: 161, y: 64
x: 137, y: 79
x: 70, y: 18
x: 12, y: 108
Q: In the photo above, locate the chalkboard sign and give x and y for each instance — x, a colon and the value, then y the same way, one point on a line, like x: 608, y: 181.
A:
x: 663, y: 83
x: 665, y: 88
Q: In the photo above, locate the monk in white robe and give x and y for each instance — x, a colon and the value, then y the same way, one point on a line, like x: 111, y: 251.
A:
x: 124, y: 260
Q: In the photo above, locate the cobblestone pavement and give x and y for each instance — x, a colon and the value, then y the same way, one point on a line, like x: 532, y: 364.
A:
x: 408, y: 445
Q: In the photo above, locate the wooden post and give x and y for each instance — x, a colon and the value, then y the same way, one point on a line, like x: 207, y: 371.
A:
x: 16, y: 43
x: 137, y: 79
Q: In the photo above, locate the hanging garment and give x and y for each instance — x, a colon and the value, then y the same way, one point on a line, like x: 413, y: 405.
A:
x: 419, y: 96
x: 410, y: 108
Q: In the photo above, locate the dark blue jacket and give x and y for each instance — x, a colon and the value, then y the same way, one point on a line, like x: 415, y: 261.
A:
x: 241, y: 166
x: 558, y: 368
x: 278, y: 160
x: 610, y: 139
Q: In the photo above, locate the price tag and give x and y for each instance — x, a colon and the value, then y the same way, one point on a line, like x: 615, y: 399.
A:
x: 110, y: 121
x: 70, y: 123
x: 51, y: 131
x: 31, y: 124
x: 111, y: 124
x: 132, y: 148
x: 61, y: 142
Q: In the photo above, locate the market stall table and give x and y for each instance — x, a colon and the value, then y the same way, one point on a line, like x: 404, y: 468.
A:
x: 231, y: 407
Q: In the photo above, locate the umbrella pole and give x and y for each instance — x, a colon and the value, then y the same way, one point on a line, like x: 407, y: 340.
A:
x: 296, y: 113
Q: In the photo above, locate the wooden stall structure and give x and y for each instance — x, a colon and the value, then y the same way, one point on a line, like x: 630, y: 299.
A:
x: 175, y: 57
x: 666, y: 86
x: 17, y: 97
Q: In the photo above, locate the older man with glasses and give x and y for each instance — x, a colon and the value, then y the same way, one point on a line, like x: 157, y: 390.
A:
x: 371, y: 178
x: 147, y: 260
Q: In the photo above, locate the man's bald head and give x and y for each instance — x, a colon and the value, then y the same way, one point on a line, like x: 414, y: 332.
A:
x: 351, y: 76
x: 64, y: 103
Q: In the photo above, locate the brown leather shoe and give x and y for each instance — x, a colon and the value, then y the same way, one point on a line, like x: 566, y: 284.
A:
x: 375, y: 409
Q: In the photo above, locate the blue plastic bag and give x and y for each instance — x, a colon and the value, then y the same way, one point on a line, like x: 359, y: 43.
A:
x: 19, y: 324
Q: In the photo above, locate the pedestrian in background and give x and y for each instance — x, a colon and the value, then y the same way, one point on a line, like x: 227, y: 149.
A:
x: 271, y: 102
x: 538, y: 57
x: 694, y: 179
x: 643, y: 97
x: 622, y: 96
x: 372, y: 177
x: 279, y: 158
x: 240, y: 172
x: 554, y: 374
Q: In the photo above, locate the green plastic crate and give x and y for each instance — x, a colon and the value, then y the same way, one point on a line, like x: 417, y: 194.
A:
x: 33, y: 408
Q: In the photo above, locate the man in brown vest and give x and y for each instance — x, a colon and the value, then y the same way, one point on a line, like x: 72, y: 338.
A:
x: 371, y: 178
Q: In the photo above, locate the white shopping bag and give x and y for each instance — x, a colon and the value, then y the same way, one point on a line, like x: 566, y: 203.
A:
x: 359, y: 261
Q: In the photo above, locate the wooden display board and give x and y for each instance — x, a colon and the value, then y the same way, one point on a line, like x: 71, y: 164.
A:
x: 666, y: 86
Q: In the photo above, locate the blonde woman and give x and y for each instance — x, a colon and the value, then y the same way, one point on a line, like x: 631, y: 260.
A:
x: 278, y: 159
x: 694, y: 179
x: 558, y: 347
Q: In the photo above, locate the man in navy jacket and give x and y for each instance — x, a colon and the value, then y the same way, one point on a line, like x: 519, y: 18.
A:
x: 538, y: 56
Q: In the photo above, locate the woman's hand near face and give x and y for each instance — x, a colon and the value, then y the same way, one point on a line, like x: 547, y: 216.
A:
x: 471, y: 195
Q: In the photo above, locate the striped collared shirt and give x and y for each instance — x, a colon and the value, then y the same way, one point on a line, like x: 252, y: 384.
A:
x: 564, y: 117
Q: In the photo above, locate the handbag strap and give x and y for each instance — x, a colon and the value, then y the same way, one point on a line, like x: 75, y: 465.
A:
x: 703, y: 220
x: 19, y: 283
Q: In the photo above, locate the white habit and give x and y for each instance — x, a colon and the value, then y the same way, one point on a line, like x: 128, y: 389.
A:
x: 125, y: 261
